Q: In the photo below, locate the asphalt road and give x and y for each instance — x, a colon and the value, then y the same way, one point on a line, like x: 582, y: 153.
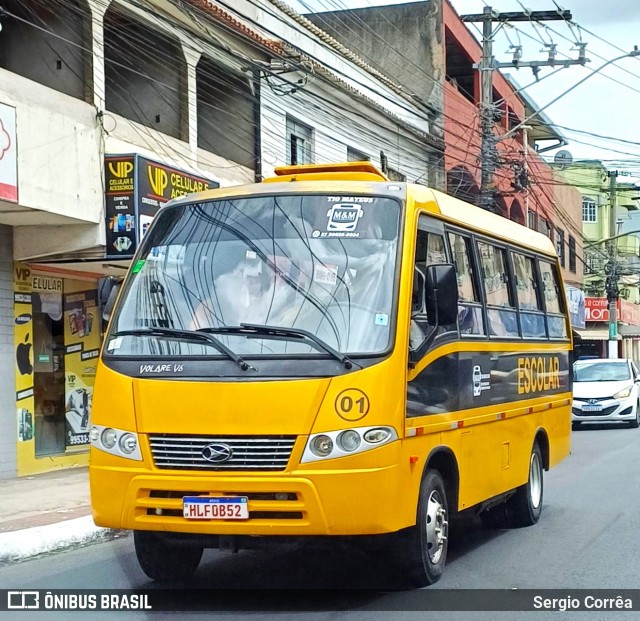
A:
x: 587, y: 538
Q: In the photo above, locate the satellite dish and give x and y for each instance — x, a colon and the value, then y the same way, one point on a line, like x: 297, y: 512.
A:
x: 563, y: 158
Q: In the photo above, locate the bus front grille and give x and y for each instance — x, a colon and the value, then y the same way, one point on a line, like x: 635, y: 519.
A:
x: 202, y: 453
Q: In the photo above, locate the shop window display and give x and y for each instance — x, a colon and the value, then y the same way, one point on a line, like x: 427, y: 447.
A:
x: 48, y: 376
x: 57, y: 342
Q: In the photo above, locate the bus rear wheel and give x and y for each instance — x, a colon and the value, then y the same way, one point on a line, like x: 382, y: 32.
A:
x: 525, y: 506
x: 162, y: 560
x: 423, y: 549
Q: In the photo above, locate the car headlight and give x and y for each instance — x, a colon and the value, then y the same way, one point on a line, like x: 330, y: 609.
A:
x: 115, y: 442
x: 625, y: 392
x: 343, y: 442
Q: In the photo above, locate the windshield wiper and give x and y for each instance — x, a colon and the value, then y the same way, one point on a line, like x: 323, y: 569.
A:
x: 189, y: 335
x: 298, y: 332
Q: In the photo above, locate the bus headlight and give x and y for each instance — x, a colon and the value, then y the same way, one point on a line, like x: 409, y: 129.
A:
x: 349, y: 440
x: 108, y: 438
x: 128, y: 443
x: 377, y: 435
x: 343, y: 442
x: 321, y: 446
x: 116, y: 442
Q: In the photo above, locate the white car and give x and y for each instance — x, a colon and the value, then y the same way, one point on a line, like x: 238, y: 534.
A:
x: 606, y: 390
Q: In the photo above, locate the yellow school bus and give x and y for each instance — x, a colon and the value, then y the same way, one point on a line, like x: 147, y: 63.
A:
x: 329, y: 353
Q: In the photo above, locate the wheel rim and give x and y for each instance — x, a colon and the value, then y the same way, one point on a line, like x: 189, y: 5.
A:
x: 535, y: 480
x: 437, y: 527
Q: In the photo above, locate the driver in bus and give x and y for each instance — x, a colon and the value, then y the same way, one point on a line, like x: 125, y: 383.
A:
x: 252, y: 292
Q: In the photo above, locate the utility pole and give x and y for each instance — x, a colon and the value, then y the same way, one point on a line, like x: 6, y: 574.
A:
x: 487, y: 65
x: 612, y: 266
x: 488, y: 145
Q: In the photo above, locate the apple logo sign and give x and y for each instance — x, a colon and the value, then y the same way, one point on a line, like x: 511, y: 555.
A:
x: 22, y: 357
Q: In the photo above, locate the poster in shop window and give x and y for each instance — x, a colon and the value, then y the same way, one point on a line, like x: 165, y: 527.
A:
x: 82, y: 347
x: 23, y: 349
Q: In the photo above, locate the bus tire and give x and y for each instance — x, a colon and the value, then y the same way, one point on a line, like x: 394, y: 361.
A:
x: 424, y: 549
x: 525, y: 506
x: 160, y: 559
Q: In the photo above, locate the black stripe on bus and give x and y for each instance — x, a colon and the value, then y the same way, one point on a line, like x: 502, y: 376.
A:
x: 466, y: 380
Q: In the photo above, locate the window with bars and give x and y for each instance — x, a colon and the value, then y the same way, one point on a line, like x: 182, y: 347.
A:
x: 299, y: 142
x: 560, y: 246
x: 589, y: 209
x: 572, y: 254
x: 532, y: 220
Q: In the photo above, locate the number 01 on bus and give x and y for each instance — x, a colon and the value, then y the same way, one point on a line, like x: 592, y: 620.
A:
x: 327, y: 354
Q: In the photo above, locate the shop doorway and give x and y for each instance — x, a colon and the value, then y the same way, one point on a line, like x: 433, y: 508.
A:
x: 48, y: 374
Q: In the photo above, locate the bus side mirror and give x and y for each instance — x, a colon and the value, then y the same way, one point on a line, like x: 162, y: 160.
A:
x: 442, y: 294
x: 108, y: 290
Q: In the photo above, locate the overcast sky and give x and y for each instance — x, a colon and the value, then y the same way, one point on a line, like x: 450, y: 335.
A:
x: 599, y: 105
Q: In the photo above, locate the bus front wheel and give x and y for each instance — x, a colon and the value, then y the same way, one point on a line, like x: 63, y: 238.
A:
x: 162, y: 560
x: 424, y: 549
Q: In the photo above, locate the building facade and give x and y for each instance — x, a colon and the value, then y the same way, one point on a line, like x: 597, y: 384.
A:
x: 110, y: 109
x: 609, y: 208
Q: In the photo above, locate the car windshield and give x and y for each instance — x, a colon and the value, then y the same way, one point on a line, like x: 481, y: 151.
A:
x: 321, y: 264
x: 601, y: 372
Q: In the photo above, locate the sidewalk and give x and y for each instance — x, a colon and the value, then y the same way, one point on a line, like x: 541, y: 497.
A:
x: 46, y: 512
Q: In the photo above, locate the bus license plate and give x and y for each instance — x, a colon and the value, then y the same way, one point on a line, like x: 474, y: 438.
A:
x: 218, y: 508
x: 592, y: 408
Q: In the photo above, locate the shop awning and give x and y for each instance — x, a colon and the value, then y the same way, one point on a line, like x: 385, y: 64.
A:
x: 594, y: 334
x: 629, y: 331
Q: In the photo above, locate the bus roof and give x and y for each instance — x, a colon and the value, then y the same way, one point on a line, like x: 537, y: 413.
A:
x: 351, y: 171
x: 482, y: 221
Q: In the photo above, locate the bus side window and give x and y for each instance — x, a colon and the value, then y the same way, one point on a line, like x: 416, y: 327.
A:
x: 501, y: 311
x: 470, y: 320
x: 529, y: 298
x: 553, y: 301
x: 430, y: 250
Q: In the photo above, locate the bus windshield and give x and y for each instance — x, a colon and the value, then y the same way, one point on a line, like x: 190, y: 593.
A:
x: 307, y: 263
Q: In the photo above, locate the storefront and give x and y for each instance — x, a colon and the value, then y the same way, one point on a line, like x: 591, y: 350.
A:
x: 57, y: 322
x: 57, y: 341
x: 595, y: 335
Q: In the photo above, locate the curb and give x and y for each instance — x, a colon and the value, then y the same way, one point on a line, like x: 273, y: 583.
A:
x: 24, y: 544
